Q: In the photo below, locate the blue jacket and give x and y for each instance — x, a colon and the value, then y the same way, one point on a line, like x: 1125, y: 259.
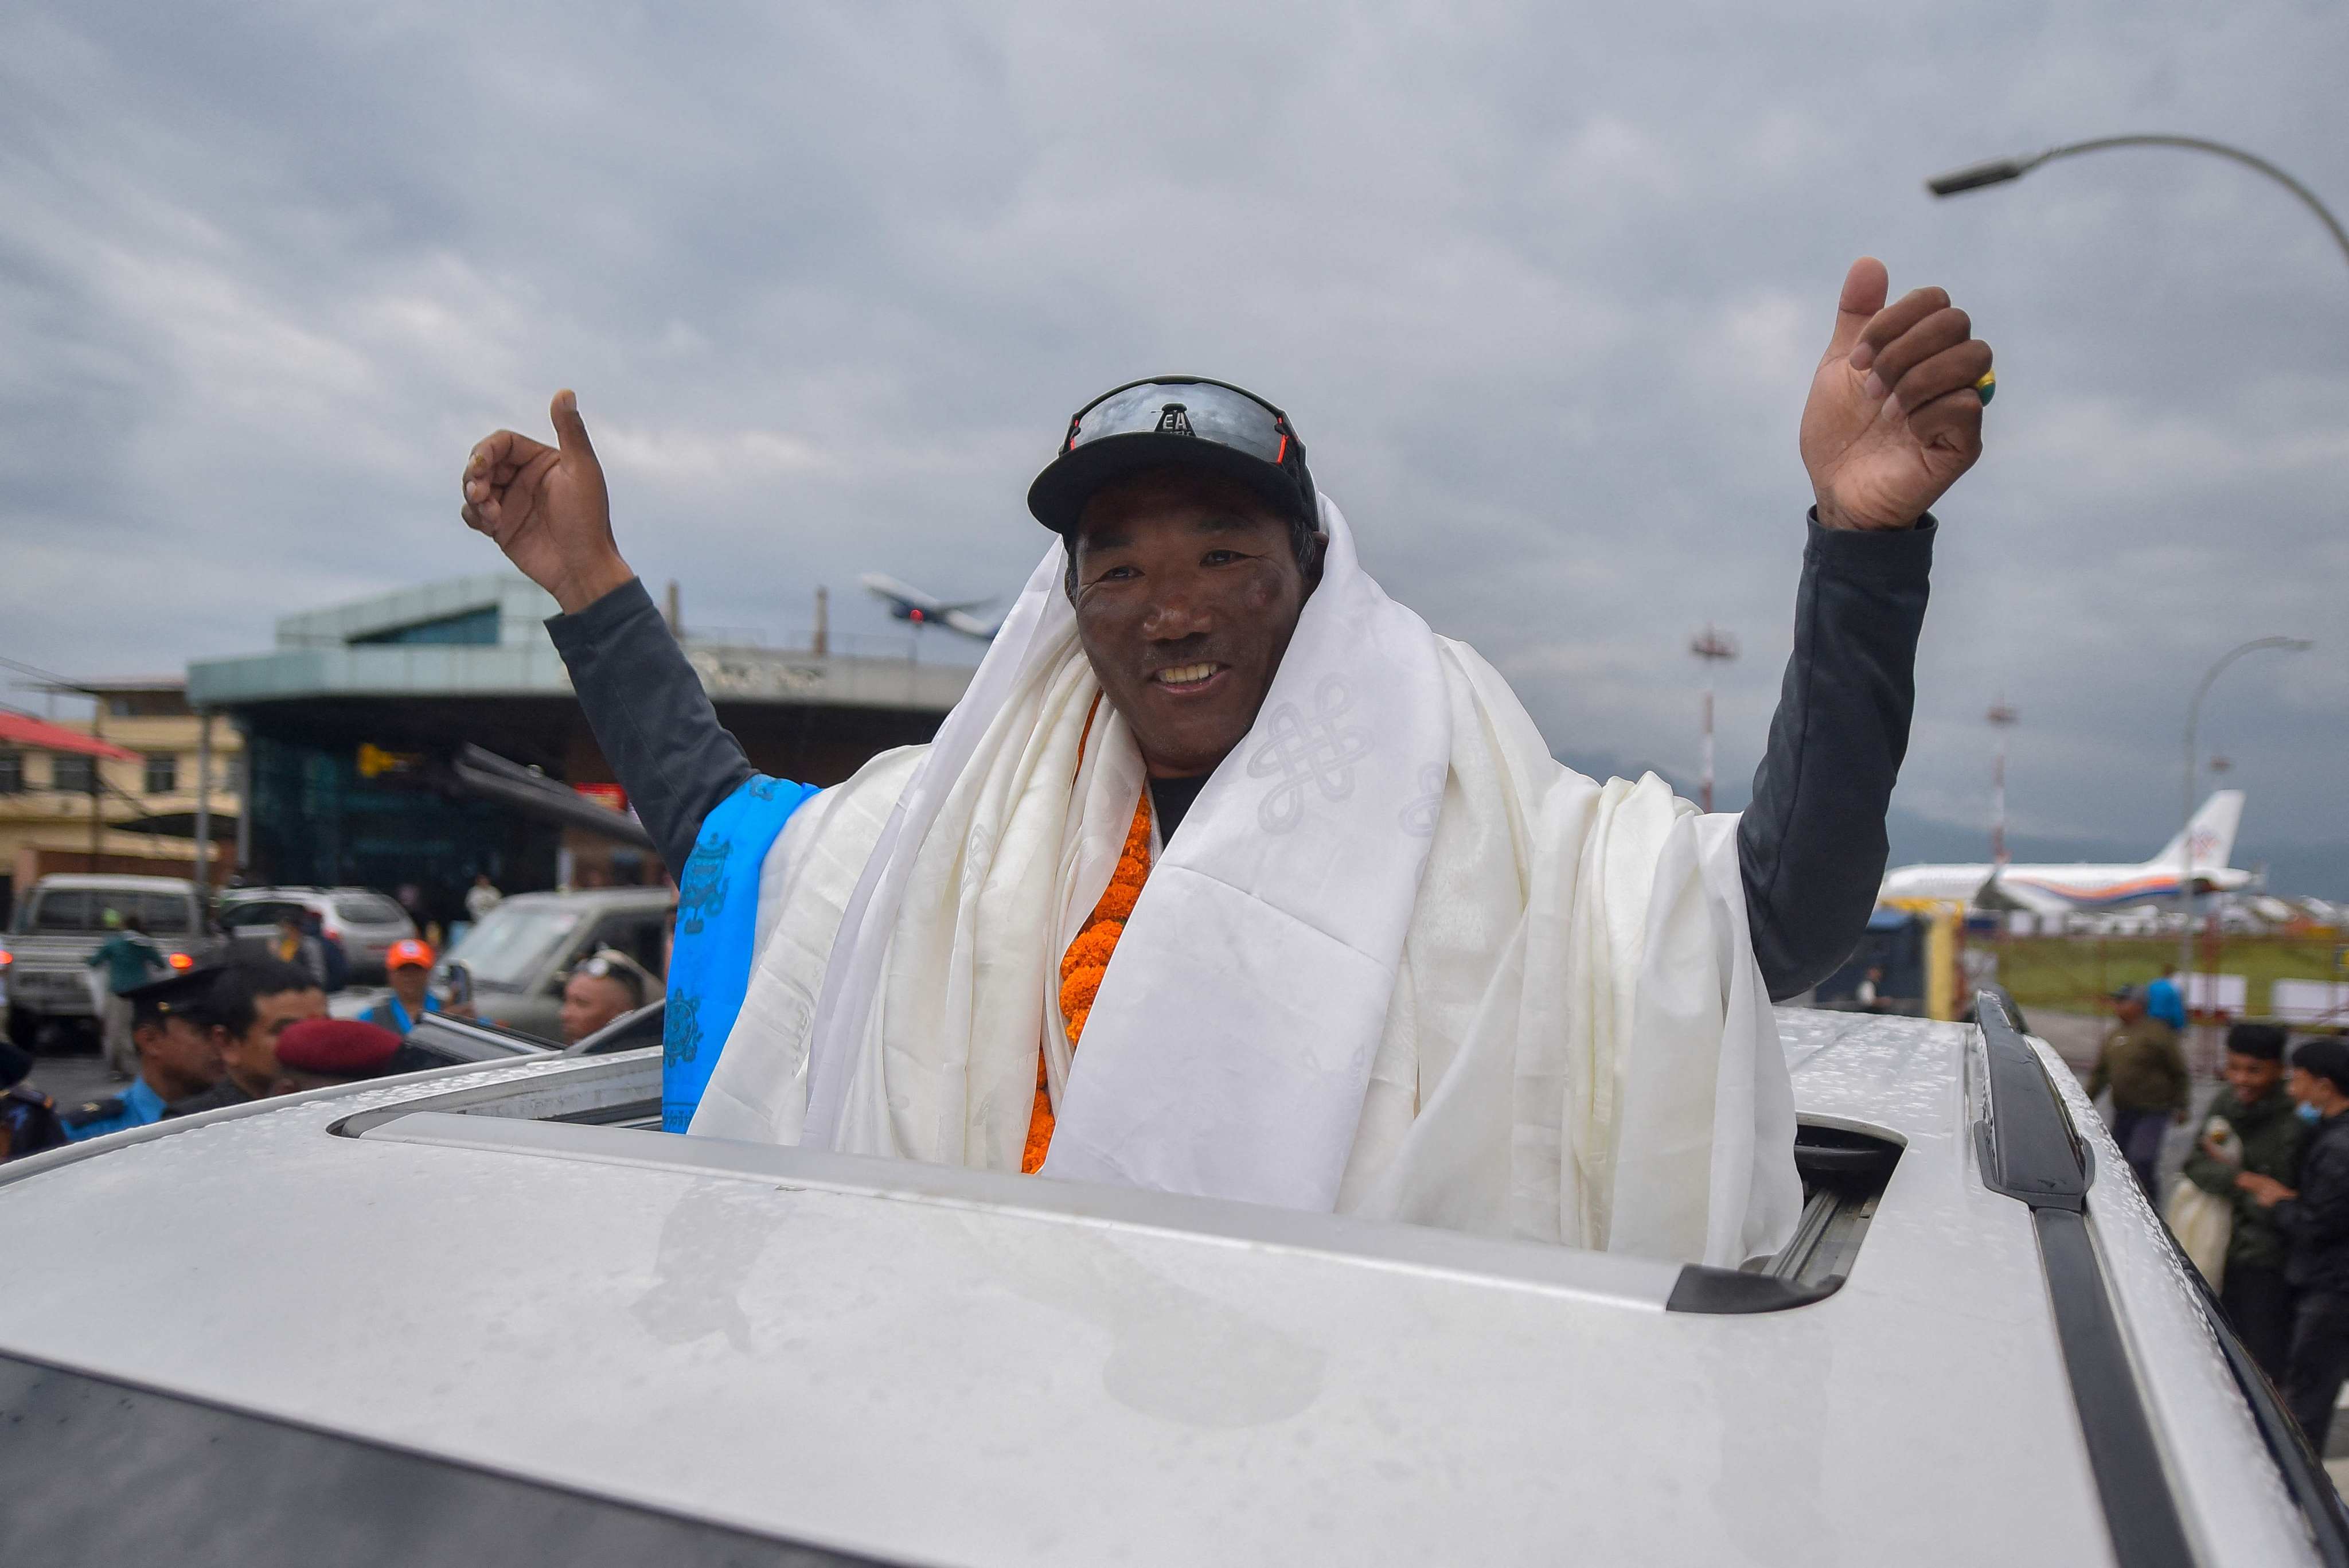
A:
x: 392, y: 1013
x: 135, y: 1107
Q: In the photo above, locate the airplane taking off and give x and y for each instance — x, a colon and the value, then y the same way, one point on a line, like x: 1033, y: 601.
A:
x: 2056, y: 889
x: 910, y: 603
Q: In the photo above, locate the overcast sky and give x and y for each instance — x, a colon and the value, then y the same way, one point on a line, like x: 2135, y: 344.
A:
x: 1542, y: 286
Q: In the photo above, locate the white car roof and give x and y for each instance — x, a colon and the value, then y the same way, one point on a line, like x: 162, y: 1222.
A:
x: 126, y: 883
x: 940, y: 1365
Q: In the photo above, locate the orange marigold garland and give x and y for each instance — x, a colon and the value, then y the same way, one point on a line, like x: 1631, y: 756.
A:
x: 1083, y: 966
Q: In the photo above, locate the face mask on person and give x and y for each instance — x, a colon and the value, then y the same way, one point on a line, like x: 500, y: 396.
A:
x: 2309, y: 1113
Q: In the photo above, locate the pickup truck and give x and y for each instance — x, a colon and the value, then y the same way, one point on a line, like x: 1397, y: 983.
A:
x: 44, y: 960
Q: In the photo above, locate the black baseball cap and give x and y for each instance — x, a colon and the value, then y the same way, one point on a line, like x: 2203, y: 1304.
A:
x: 2326, y: 1057
x: 1185, y: 422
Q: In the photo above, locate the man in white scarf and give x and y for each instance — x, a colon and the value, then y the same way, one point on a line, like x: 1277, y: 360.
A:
x: 1398, y: 961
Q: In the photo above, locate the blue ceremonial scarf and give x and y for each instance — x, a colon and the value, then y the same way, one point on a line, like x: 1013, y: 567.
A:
x: 717, y: 915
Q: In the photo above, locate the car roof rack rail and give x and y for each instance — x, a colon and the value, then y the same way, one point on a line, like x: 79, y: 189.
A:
x: 2031, y: 1152
x: 2024, y: 1138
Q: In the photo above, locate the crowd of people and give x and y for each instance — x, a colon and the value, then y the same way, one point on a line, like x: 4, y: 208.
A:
x: 258, y: 1025
x: 2274, y: 1147
x: 199, y: 1040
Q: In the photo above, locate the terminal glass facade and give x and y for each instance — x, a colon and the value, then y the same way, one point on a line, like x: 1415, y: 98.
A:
x: 318, y: 820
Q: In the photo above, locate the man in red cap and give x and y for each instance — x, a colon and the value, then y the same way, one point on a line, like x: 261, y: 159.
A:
x: 319, y: 1051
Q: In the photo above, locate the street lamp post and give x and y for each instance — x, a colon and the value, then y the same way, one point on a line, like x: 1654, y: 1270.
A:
x: 2186, y: 834
x: 1999, y: 170
x: 1713, y: 648
x: 2002, y: 720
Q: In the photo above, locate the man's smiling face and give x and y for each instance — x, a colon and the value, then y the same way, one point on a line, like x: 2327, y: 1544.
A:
x: 1188, y: 588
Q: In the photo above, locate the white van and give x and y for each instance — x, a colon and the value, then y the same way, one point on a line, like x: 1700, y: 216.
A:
x: 490, y: 1315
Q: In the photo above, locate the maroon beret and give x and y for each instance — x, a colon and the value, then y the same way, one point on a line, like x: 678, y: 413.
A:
x: 339, y: 1047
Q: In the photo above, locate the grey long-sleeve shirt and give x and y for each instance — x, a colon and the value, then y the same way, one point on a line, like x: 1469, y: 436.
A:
x: 1811, y: 848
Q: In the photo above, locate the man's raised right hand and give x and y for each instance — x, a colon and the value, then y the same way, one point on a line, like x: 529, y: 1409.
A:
x: 546, y: 508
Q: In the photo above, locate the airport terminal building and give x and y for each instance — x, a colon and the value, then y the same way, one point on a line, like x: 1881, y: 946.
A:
x: 353, y: 725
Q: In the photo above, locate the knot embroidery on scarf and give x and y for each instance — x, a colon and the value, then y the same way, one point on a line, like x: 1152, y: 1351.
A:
x: 1083, y: 966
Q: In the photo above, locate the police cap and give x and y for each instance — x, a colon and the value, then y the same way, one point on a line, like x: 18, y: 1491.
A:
x: 181, y: 994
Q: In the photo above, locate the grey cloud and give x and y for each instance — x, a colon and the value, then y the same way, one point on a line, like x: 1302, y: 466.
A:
x: 1543, y: 287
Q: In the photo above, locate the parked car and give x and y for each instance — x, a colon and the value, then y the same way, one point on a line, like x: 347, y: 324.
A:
x: 519, y: 953
x: 61, y: 922
x: 488, y: 1314
x: 366, y: 922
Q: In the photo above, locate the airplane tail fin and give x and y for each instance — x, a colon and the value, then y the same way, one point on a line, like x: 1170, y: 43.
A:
x: 2213, y: 828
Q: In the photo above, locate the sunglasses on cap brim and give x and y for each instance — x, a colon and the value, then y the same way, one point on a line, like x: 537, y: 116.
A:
x: 609, y: 965
x: 1182, y: 421
x: 1211, y: 411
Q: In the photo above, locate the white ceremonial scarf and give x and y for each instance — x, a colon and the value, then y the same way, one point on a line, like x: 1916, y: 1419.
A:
x: 1399, y: 962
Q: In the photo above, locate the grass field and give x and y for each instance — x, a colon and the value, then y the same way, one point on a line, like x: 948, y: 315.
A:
x: 2075, y: 973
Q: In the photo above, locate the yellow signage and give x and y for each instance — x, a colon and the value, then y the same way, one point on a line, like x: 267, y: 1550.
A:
x: 374, y: 762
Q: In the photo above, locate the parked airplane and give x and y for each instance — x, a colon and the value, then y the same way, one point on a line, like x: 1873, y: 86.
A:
x: 910, y: 603
x: 2054, y: 889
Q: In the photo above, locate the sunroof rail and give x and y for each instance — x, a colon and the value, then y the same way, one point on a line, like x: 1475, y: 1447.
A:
x: 2024, y: 1135
x: 2030, y: 1152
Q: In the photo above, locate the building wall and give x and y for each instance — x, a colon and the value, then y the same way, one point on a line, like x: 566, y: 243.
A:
x: 38, y: 818
x: 408, y: 679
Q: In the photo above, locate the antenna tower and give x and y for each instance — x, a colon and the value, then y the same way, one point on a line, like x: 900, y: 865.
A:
x: 1713, y: 648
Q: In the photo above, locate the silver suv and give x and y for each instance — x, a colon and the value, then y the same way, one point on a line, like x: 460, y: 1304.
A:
x: 365, y: 922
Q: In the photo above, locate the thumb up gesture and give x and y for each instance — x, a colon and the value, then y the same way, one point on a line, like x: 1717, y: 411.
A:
x: 1893, y: 419
x: 546, y: 508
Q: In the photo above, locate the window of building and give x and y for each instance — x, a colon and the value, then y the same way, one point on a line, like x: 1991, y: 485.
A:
x: 468, y: 628
x: 162, y: 772
x: 73, y: 774
x: 12, y: 772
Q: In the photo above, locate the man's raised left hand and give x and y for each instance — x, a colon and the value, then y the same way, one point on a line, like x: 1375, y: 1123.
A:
x: 1893, y: 418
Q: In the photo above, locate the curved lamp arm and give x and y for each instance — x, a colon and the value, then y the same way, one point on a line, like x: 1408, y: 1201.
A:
x: 2186, y: 834
x: 1999, y: 170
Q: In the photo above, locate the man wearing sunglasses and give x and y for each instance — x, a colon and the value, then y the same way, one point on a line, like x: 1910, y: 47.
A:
x: 1332, y: 928
x: 605, y: 986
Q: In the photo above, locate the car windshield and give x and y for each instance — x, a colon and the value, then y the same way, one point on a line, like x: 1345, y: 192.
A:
x: 508, y: 947
x: 59, y: 909
x: 164, y: 914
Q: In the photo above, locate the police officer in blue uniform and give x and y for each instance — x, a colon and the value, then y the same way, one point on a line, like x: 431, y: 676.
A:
x: 172, y: 1032
x: 28, y: 1119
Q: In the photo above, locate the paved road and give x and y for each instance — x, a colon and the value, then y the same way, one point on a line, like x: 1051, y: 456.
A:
x: 70, y: 1080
